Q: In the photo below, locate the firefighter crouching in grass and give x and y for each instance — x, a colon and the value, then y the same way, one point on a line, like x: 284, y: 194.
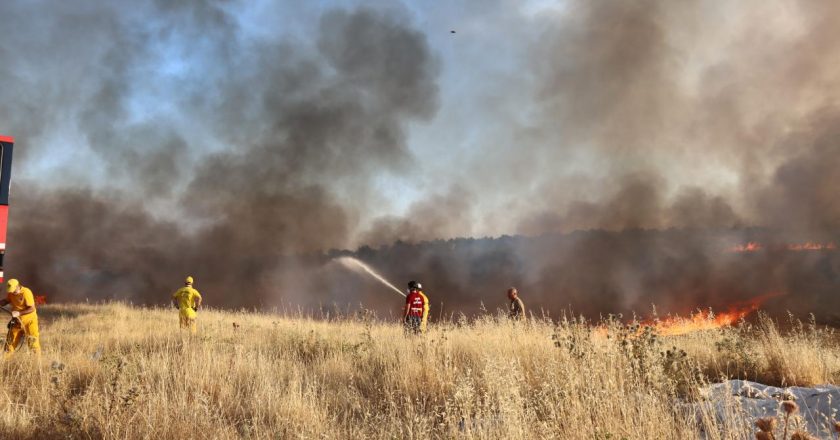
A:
x: 25, y: 320
x: 187, y: 300
x: 517, y: 307
x: 416, y: 311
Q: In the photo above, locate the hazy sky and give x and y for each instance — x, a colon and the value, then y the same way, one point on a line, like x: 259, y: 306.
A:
x: 537, y: 113
x: 239, y: 141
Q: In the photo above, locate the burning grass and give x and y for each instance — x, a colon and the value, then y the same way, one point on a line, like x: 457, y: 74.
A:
x: 114, y: 371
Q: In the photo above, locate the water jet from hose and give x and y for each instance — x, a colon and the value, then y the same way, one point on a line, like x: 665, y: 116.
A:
x: 357, y: 266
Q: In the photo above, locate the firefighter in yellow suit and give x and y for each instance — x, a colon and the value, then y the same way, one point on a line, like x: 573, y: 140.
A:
x: 25, y: 318
x: 188, y: 300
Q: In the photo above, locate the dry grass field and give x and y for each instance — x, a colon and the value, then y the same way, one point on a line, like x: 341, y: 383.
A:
x: 114, y: 371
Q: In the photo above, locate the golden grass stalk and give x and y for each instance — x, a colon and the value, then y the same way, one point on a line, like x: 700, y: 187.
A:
x: 766, y: 424
x: 114, y: 371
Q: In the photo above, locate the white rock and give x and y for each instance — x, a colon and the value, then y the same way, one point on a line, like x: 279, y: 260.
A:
x: 818, y: 406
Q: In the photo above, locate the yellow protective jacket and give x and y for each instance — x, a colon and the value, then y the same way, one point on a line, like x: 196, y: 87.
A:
x: 28, y: 323
x: 22, y: 301
x: 185, y: 297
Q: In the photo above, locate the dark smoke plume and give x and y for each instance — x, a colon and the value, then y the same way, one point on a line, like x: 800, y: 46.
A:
x: 595, y: 273
x: 612, y: 84
x: 299, y: 125
x: 647, y: 138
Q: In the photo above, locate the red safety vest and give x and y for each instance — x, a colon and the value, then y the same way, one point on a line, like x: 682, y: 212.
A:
x: 416, y: 303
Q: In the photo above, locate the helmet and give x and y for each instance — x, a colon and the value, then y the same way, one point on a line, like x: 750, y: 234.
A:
x: 414, y: 285
x: 189, y: 280
x: 12, y: 285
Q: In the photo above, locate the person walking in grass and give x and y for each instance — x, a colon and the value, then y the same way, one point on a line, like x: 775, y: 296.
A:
x: 187, y: 300
x: 24, y: 318
x: 517, y: 307
x: 416, y: 311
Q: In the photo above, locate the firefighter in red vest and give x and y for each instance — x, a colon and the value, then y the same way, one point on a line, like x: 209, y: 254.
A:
x: 416, y: 311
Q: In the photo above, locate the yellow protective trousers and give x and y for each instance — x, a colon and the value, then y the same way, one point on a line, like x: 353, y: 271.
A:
x: 187, y: 317
x: 25, y: 326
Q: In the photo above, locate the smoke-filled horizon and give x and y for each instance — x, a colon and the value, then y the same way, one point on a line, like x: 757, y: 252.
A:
x: 238, y: 141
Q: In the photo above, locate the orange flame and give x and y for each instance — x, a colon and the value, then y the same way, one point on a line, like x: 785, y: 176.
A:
x: 703, y: 320
x: 749, y: 247
x: 811, y: 246
x: 707, y: 320
x: 40, y: 300
x: 807, y: 246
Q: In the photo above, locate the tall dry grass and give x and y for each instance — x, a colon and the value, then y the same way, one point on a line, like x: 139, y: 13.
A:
x: 113, y: 371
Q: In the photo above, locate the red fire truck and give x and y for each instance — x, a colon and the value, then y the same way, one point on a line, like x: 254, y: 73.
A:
x: 6, y: 146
